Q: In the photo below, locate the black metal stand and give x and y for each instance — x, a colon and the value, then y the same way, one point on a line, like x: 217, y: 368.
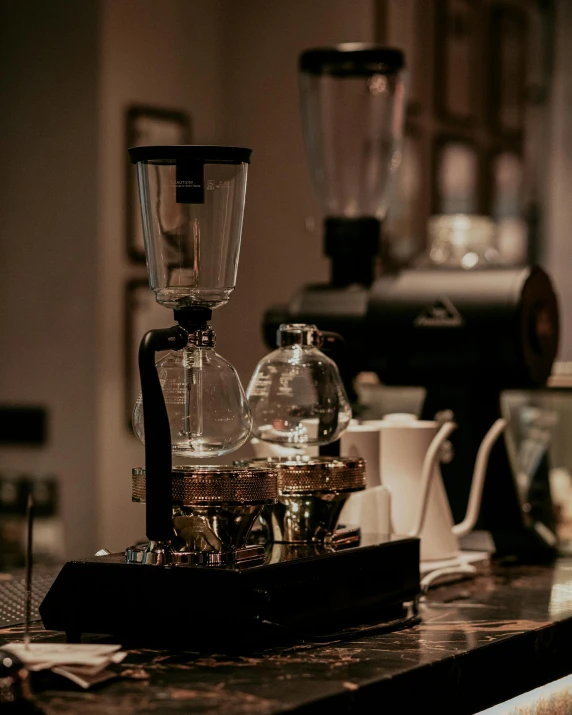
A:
x: 305, y: 593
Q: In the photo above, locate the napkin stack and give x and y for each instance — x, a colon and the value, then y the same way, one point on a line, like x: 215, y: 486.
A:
x: 85, y: 664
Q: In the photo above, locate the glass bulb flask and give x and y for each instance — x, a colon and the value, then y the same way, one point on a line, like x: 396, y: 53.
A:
x: 296, y: 394
x: 207, y: 409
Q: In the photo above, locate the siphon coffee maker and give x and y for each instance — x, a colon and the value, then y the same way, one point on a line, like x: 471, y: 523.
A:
x: 199, y: 578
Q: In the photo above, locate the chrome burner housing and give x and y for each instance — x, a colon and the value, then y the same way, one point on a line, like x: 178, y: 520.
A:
x: 212, y: 485
x: 214, y: 508
x: 311, y: 494
x: 246, y: 555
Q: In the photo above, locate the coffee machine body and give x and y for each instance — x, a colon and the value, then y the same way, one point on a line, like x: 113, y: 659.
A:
x: 465, y: 336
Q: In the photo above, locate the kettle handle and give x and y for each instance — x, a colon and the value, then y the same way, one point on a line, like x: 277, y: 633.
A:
x: 478, y: 482
x: 427, y: 472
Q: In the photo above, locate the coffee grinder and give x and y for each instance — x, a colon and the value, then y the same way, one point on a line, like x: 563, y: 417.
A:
x: 202, y: 578
x: 464, y: 335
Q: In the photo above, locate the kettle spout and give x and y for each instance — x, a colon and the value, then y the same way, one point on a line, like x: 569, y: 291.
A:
x: 478, y: 482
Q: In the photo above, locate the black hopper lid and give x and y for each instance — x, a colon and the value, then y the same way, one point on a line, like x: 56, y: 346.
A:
x: 352, y: 59
x: 191, y: 152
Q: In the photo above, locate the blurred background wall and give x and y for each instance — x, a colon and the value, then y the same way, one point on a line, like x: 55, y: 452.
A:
x: 69, y: 73
x: 49, y: 247
x: 159, y: 55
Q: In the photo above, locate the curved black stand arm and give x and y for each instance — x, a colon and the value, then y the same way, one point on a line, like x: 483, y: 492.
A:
x: 335, y: 347
x: 333, y: 343
x: 158, y: 498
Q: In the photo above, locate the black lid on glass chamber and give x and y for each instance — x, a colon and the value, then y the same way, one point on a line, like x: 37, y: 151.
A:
x: 191, y: 152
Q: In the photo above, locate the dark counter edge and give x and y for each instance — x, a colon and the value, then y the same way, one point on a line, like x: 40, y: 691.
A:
x: 463, y: 684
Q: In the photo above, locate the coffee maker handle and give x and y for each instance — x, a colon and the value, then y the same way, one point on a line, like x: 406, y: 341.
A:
x: 335, y: 347
x: 158, y: 464
x: 478, y: 482
x: 427, y: 472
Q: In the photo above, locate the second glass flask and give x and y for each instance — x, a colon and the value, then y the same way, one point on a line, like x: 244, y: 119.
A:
x: 296, y: 394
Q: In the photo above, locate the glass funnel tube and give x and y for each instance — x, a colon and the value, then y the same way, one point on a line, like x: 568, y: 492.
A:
x: 192, y: 429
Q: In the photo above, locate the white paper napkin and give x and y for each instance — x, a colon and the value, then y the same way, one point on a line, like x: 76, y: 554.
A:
x: 83, y: 663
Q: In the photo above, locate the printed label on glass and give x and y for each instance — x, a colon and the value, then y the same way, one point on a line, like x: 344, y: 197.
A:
x: 190, y: 183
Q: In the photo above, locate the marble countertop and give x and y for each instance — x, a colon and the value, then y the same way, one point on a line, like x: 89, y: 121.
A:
x: 479, y: 642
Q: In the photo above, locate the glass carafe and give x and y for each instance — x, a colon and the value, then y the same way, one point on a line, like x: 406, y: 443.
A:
x: 296, y: 393
x: 207, y: 409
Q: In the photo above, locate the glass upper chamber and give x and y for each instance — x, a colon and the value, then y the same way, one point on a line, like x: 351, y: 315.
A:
x: 353, y: 103
x: 296, y: 393
x: 192, y: 206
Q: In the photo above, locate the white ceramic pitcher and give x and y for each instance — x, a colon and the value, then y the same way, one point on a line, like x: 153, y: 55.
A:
x: 409, y: 466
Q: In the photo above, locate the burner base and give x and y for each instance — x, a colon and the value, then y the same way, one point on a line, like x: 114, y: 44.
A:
x: 298, y: 593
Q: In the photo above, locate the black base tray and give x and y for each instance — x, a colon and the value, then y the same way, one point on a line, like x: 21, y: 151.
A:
x: 302, y: 595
